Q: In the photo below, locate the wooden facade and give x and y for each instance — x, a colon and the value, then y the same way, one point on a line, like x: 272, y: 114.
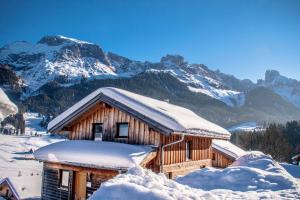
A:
x: 221, y: 160
x: 140, y: 133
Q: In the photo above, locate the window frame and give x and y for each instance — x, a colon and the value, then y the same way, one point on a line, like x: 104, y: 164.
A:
x: 94, y: 129
x: 60, y: 183
x: 118, y: 130
x: 213, y: 156
x: 188, y: 150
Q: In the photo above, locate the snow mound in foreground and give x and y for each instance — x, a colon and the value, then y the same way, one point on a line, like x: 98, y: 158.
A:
x: 253, y: 176
x: 252, y: 172
x: 139, y: 183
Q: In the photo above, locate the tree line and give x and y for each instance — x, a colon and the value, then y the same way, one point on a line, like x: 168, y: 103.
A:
x: 281, y: 141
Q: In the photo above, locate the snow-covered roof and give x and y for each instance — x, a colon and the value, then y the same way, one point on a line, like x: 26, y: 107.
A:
x: 168, y: 117
x: 6, y: 106
x: 94, y: 154
x: 24, y: 187
x: 228, y: 148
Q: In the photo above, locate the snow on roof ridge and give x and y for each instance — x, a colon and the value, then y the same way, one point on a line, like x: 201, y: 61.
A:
x: 173, y: 117
x: 149, y: 107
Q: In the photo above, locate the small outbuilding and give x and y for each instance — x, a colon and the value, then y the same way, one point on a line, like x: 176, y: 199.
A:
x: 224, y: 153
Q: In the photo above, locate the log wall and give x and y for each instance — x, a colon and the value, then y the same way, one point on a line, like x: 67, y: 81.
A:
x: 139, y: 132
x: 220, y: 160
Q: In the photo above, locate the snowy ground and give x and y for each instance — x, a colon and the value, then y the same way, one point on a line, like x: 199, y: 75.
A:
x: 32, y: 124
x: 253, y: 176
x: 16, y: 161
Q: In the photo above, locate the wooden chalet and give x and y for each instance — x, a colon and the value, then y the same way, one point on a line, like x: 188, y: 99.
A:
x: 112, y: 130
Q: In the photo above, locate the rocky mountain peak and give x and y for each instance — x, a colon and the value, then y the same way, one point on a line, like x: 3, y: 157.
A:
x: 271, y: 75
x: 169, y: 60
x: 56, y: 40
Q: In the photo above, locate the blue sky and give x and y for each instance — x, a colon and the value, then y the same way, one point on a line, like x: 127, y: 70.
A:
x: 240, y: 37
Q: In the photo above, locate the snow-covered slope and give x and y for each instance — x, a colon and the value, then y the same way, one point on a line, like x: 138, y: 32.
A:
x: 69, y: 60
x: 252, y: 176
x: 246, y: 126
x: 6, y: 106
x: 33, y: 124
x: 55, y: 57
x: 200, y: 79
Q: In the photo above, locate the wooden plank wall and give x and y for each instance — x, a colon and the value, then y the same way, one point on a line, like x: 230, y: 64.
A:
x: 139, y: 132
x: 200, y: 149
x: 220, y: 160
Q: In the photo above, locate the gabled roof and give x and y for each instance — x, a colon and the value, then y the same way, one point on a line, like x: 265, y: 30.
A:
x: 94, y: 154
x: 163, y: 116
x: 11, y: 187
x: 227, y: 148
x: 24, y: 187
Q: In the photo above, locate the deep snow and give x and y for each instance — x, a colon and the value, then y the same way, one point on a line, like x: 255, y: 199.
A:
x: 16, y: 161
x: 98, y: 154
x: 253, y: 176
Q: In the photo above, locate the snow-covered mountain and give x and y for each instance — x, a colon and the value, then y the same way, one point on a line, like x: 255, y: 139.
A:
x: 6, y: 106
x: 52, y: 74
x: 69, y: 60
x: 288, y: 88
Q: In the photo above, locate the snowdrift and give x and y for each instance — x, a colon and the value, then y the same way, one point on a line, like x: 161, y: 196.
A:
x: 252, y: 176
x: 254, y: 171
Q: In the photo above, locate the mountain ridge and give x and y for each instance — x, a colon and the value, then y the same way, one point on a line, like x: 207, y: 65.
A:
x: 57, y: 63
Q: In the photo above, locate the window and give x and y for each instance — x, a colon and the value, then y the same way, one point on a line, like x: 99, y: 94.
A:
x: 64, y: 178
x: 97, y: 131
x: 122, y: 130
x: 213, y: 156
x: 188, y: 150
